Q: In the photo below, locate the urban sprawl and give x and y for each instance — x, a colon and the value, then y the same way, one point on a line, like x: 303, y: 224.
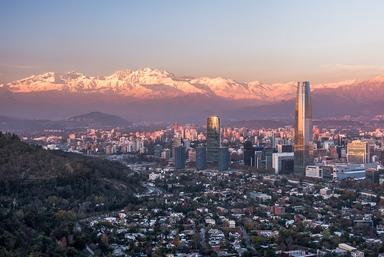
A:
x: 298, y: 190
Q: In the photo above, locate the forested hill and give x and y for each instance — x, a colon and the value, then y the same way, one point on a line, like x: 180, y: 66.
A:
x: 19, y: 160
x: 43, y: 193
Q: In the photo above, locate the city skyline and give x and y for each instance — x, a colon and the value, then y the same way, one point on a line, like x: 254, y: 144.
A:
x: 271, y: 41
x: 192, y: 128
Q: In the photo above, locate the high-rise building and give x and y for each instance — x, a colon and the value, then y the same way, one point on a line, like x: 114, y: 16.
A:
x: 266, y: 156
x: 176, y: 141
x: 213, y: 138
x: 303, y: 147
x: 157, y: 149
x: 357, y: 152
x: 166, y: 154
x: 180, y: 157
x: 201, y: 158
x: 259, y: 159
x: 282, y: 163
x: 223, y: 159
x: 249, y: 154
x: 317, y: 171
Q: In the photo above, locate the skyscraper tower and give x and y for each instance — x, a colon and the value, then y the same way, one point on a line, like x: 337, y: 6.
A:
x: 249, y: 154
x: 180, y: 157
x: 303, y: 128
x: 223, y: 159
x: 176, y: 141
x: 201, y: 158
x: 213, y: 138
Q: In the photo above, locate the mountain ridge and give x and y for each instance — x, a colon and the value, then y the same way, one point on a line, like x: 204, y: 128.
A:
x: 150, y: 83
x: 156, y: 95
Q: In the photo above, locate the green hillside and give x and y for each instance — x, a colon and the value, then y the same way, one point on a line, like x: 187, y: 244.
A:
x: 43, y: 193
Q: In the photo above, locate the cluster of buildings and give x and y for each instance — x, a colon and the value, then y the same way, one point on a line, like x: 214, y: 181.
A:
x: 240, y: 213
x: 297, y: 191
x: 301, y: 150
x: 316, y: 154
x: 213, y: 152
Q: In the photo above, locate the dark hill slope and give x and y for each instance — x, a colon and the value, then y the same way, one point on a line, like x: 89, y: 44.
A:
x: 44, y: 193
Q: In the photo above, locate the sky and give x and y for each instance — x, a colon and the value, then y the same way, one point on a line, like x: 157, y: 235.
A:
x: 266, y: 40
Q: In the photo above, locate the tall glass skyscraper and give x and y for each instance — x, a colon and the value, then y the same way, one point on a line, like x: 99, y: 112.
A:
x: 223, y: 159
x: 213, y: 138
x: 201, y: 158
x: 180, y: 157
x: 303, y: 128
x: 249, y: 154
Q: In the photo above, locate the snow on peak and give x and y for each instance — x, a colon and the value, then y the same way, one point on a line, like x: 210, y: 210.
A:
x: 154, y: 72
x: 74, y: 75
x: 155, y: 83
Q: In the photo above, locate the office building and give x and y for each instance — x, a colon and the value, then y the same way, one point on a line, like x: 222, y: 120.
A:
x: 258, y: 159
x: 357, y: 152
x: 303, y: 147
x: 321, y: 172
x: 179, y: 157
x: 267, y: 157
x: 176, y: 142
x: 213, y: 138
x: 166, y: 154
x: 349, y: 171
x: 249, y: 154
x: 201, y: 158
x: 282, y: 163
x: 223, y: 159
x: 263, y: 157
x: 157, y: 149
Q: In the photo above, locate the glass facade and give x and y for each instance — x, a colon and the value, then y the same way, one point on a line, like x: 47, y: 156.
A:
x: 213, y: 138
x: 201, y: 158
x: 303, y: 128
x: 180, y: 157
x: 223, y: 159
x: 357, y: 152
x: 249, y: 154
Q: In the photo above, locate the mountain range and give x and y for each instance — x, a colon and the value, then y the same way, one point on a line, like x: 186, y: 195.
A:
x: 156, y: 95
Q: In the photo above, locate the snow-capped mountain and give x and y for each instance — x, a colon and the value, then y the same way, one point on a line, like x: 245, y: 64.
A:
x: 152, y: 83
x: 151, y: 94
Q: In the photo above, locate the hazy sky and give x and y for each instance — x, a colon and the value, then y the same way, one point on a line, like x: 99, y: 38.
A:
x: 270, y: 40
